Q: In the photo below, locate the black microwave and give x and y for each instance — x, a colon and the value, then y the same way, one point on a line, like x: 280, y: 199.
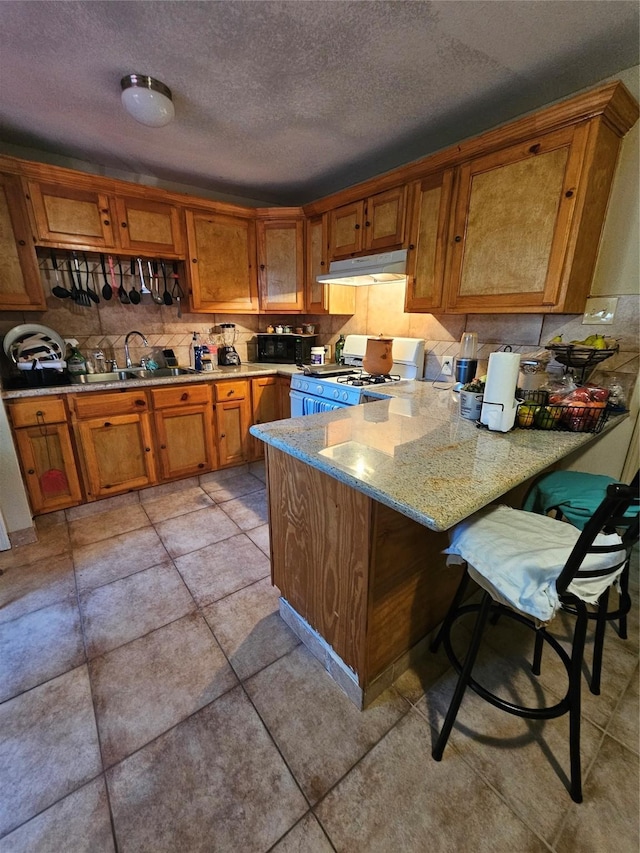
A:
x: 285, y: 349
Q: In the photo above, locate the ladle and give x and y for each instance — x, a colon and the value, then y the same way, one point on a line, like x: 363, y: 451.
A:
x: 107, y: 289
x: 59, y: 291
x: 122, y: 293
x: 166, y: 296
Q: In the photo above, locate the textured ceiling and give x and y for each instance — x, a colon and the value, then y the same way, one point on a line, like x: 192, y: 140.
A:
x: 286, y: 102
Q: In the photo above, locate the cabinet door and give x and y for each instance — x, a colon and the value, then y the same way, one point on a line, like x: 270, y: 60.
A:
x: 384, y: 220
x: 20, y: 285
x: 222, y: 252
x: 265, y: 402
x: 345, y: 230
x: 49, y: 467
x: 430, y: 212
x: 284, y: 400
x: 512, y: 225
x: 118, y: 454
x: 281, y: 265
x: 149, y: 227
x: 232, y: 425
x: 185, y: 441
x: 70, y: 216
x: 323, y: 298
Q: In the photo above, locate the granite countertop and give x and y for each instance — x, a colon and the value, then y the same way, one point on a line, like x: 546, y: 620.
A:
x: 244, y: 371
x: 413, y: 452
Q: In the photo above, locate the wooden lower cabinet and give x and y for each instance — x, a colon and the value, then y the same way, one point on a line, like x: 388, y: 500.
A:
x: 49, y: 467
x: 184, y: 430
x: 232, y: 420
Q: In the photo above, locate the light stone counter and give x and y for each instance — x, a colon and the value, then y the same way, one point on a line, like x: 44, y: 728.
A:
x: 413, y: 452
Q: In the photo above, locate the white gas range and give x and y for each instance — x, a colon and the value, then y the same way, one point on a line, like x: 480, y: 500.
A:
x: 325, y: 387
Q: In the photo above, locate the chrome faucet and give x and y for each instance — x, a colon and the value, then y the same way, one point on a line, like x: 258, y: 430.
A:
x: 127, y: 357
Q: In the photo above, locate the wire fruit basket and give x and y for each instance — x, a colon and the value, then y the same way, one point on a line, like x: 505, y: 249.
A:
x: 535, y: 412
x: 581, y: 358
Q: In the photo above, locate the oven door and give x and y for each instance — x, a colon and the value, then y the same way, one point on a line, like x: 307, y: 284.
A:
x: 306, y: 404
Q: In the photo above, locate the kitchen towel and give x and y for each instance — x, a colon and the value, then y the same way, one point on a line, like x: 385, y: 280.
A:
x: 499, y: 406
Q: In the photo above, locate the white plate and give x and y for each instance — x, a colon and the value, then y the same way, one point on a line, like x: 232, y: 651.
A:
x: 14, y: 338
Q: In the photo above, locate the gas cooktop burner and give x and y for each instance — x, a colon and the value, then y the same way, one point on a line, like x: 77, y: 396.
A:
x: 367, y: 379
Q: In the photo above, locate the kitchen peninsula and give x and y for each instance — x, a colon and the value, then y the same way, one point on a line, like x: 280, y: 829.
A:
x: 360, y: 500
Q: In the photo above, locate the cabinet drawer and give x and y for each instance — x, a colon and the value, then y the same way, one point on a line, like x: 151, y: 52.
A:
x: 182, y: 394
x: 104, y: 405
x: 34, y: 412
x: 233, y: 390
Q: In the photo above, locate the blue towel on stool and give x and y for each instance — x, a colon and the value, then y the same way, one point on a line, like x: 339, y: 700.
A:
x: 575, y: 494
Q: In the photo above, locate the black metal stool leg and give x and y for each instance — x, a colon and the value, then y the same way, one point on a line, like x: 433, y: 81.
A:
x: 448, y: 619
x: 625, y: 602
x: 463, y: 678
x: 598, y: 642
x: 575, y: 684
x: 537, y: 652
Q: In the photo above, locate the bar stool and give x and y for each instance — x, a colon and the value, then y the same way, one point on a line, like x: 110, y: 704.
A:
x: 574, y: 496
x: 529, y: 566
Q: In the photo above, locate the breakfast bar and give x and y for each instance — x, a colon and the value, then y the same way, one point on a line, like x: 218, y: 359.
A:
x: 360, y: 500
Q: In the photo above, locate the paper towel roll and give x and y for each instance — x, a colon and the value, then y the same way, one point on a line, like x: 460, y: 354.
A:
x: 500, y: 388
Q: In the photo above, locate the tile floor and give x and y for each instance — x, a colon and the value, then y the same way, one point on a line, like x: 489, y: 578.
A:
x: 151, y: 699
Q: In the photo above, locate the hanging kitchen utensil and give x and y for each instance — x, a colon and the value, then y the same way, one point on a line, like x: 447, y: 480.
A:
x: 134, y: 296
x: 166, y: 296
x: 122, y: 293
x: 59, y: 291
x: 53, y: 481
x: 93, y: 296
x: 107, y: 289
x: 154, y: 287
x: 75, y: 292
x: 176, y: 292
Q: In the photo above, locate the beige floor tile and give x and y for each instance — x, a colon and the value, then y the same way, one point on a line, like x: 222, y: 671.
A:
x: 214, y: 782
x: 398, y: 798
x: 625, y: 723
x: 526, y: 761
x: 260, y: 536
x: 223, y: 568
x: 213, y: 479
x: 104, y: 525
x: 78, y: 823
x: 154, y: 682
x: 30, y: 587
x: 39, y: 646
x: 421, y: 676
x: 122, y: 502
x: 249, y: 628
x: 258, y: 470
x: 249, y: 511
x: 112, y: 559
x: 177, y: 503
x: 607, y: 819
x: 44, y: 522
x: 48, y: 746
x: 121, y: 611
x: 319, y: 731
x: 306, y: 836
x: 195, y: 530
x: 52, y: 542
x: 165, y: 489
x: 233, y: 487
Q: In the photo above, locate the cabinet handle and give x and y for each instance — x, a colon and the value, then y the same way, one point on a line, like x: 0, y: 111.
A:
x: 534, y: 148
x: 123, y: 224
x: 185, y: 396
x: 223, y: 435
x: 107, y: 424
x: 106, y: 222
x: 569, y: 193
x: 140, y: 403
x: 200, y: 464
x: 230, y: 393
x: 412, y: 245
x: 321, y: 263
x: 31, y: 471
x: 163, y: 447
x: 458, y: 238
x: 147, y: 450
x: 22, y: 242
x: 357, y: 226
x: 367, y: 223
x: 194, y: 260
x: 262, y: 266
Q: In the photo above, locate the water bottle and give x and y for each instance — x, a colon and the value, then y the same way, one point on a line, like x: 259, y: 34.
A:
x: 338, y: 350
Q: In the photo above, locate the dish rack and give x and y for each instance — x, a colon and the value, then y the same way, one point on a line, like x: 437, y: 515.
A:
x: 582, y: 358
x: 589, y: 418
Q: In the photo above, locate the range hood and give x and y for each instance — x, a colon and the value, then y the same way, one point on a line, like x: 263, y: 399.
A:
x: 372, y: 269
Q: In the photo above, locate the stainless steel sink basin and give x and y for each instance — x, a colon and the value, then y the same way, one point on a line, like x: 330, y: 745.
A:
x: 129, y: 373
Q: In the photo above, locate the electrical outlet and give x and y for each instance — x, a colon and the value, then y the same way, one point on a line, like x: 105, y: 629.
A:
x: 446, y: 369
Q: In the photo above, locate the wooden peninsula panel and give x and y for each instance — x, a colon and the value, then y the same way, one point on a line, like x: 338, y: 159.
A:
x: 369, y: 580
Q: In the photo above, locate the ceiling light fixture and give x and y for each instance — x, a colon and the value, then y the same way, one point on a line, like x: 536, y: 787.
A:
x: 147, y: 100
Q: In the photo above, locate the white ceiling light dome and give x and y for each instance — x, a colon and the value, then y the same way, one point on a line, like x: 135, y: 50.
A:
x: 148, y: 100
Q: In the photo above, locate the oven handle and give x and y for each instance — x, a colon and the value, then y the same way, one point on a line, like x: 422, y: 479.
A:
x: 305, y: 404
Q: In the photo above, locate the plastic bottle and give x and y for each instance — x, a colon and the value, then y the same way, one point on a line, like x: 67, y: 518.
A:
x: 76, y: 362
x: 195, y: 354
x: 338, y: 350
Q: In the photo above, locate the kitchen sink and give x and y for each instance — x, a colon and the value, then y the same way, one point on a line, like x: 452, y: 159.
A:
x: 129, y: 373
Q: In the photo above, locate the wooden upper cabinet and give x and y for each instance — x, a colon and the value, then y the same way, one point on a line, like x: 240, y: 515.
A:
x: 281, y: 265
x: 149, y: 227
x: 221, y: 263
x: 71, y: 216
x: 429, y: 222
x: 323, y: 298
x: 373, y: 225
x: 20, y: 284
